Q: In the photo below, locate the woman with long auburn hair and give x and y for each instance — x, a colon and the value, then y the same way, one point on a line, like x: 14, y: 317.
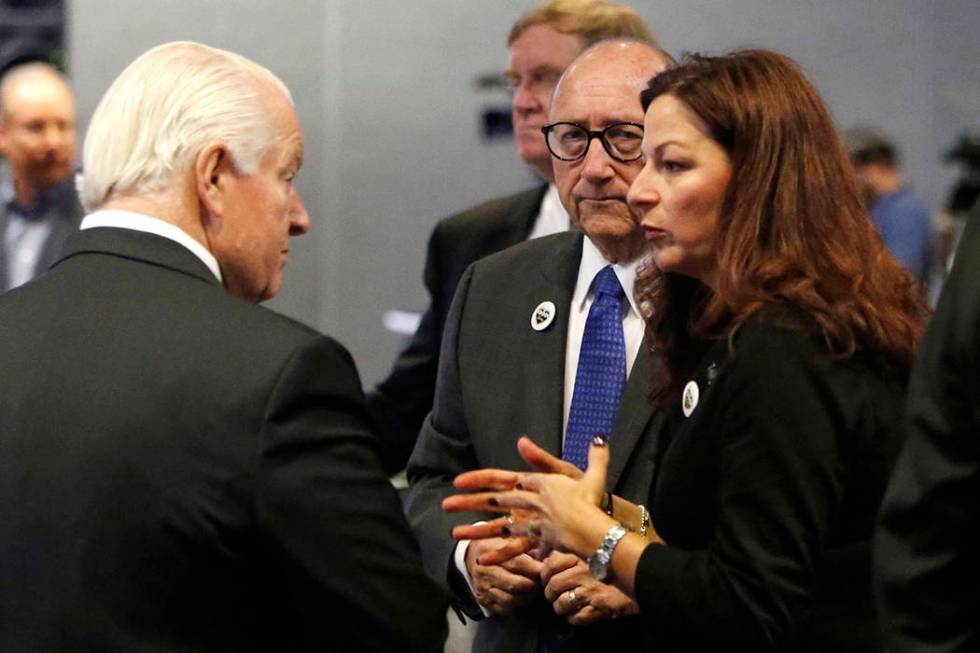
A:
x: 784, y: 333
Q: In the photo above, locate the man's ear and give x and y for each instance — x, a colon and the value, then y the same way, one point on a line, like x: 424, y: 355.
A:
x: 212, y: 171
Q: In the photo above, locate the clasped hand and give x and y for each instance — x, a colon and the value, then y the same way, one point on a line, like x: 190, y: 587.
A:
x: 548, y: 513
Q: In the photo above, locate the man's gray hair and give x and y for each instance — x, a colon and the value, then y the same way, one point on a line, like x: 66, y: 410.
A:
x: 164, y: 108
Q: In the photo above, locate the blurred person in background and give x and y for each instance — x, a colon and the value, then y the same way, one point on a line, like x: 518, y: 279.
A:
x: 961, y: 203
x: 39, y: 207
x: 900, y: 215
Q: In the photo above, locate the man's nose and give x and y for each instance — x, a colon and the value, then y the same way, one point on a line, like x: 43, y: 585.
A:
x: 596, y: 164
x: 526, y: 99
x: 55, y: 136
x: 299, y: 219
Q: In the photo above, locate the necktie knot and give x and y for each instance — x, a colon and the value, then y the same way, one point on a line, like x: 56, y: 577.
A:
x: 606, y: 283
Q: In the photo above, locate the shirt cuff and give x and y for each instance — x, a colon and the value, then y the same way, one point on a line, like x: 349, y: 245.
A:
x: 459, y: 558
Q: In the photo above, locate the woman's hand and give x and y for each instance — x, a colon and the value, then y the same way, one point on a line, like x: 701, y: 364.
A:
x: 553, y: 509
x: 577, y: 596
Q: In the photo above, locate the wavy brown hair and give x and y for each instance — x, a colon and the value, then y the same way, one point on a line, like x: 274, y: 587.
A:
x: 792, y: 230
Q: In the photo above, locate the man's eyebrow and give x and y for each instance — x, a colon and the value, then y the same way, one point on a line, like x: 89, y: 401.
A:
x: 537, y: 70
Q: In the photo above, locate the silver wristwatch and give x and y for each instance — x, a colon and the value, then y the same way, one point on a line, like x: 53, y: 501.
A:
x: 599, y: 561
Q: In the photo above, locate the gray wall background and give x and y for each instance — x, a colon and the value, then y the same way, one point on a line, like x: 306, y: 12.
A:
x: 385, y: 92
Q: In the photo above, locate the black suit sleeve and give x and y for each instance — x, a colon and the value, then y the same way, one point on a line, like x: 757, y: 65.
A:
x: 325, y: 509
x: 776, y: 443
x: 400, y: 403
x: 444, y: 450
x: 926, y: 551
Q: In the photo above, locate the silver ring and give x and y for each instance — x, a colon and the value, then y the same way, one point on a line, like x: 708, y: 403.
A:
x: 572, y: 599
x: 510, y: 520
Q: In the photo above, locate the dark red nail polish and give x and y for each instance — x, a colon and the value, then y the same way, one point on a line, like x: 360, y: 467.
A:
x: 519, y: 486
x: 493, y: 501
x: 505, y: 531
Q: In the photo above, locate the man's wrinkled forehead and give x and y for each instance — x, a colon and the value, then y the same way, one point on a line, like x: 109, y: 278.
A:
x: 615, y: 99
x: 611, y: 73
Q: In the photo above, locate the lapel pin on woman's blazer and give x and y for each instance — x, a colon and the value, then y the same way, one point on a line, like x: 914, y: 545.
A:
x: 543, y: 316
x: 690, y: 398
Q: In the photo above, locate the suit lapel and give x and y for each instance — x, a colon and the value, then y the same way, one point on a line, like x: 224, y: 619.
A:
x: 634, y: 415
x: 546, y: 360
x: 3, y: 246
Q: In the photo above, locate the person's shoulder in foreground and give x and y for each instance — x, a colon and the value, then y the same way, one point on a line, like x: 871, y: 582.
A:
x: 926, y: 562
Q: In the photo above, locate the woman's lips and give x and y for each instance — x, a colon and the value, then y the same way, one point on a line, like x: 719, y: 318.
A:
x: 653, y: 233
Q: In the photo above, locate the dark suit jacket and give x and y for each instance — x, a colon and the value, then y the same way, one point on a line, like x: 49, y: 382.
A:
x: 927, y: 554
x: 63, y: 211
x: 400, y: 403
x: 766, y: 496
x: 183, y: 471
x: 500, y: 379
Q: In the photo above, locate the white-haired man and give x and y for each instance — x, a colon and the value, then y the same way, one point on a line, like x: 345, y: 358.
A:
x: 181, y: 469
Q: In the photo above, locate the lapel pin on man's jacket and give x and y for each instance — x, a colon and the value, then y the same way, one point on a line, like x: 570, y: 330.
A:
x: 543, y: 315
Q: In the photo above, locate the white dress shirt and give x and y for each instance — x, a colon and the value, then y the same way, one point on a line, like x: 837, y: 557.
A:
x: 589, y: 266
x: 23, y: 240
x: 552, y: 216
x: 633, y: 327
x: 148, y: 224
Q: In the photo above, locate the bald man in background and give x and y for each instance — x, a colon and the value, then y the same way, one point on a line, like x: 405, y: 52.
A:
x: 39, y: 208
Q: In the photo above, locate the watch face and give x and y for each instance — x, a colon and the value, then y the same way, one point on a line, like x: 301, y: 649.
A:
x: 599, y: 565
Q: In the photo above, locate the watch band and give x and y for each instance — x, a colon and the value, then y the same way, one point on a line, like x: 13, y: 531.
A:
x: 599, y: 561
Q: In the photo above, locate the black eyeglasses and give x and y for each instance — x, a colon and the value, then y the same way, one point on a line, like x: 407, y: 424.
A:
x: 569, y: 142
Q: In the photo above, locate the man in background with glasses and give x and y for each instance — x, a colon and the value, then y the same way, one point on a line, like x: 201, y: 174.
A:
x: 542, y: 44
x: 544, y: 339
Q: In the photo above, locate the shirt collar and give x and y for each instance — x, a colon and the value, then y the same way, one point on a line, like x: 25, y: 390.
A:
x: 552, y: 202
x: 590, y: 265
x: 148, y: 224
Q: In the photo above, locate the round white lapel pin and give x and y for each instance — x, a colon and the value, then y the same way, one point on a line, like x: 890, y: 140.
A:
x: 689, y: 401
x: 543, y: 316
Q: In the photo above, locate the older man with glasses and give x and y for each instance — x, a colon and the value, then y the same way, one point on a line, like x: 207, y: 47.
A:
x: 542, y: 43
x: 545, y: 339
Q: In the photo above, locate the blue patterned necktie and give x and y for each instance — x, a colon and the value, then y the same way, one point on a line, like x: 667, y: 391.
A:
x: 601, y: 371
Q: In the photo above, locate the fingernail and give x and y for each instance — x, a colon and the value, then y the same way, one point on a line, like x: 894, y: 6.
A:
x: 505, y: 531
x: 599, y: 440
x: 519, y: 486
x: 493, y: 501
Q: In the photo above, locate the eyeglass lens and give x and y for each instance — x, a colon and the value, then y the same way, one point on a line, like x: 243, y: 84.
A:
x: 569, y: 141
